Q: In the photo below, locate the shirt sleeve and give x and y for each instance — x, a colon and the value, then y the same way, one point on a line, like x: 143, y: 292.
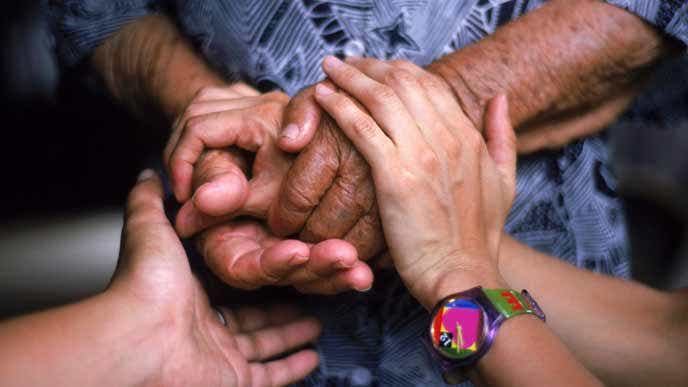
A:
x: 670, y: 16
x: 81, y: 25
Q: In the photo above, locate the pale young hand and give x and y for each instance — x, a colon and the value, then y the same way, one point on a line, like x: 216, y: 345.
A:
x: 191, y: 344
x: 443, y: 193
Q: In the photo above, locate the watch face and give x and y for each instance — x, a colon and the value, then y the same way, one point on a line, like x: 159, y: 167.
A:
x: 457, y: 329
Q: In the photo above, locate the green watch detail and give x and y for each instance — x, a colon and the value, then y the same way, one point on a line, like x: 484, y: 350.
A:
x: 508, y: 302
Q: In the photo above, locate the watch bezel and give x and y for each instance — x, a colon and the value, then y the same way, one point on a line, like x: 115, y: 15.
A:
x: 491, y: 319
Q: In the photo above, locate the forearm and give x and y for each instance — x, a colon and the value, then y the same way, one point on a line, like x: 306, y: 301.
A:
x: 149, y: 66
x: 96, y: 342
x: 564, y: 57
x: 624, y: 332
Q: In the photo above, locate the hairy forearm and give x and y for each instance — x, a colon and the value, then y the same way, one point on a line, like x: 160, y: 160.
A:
x: 626, y: 333
x: 565, y: 57
x: 149, y: 67
x: 97, y: 342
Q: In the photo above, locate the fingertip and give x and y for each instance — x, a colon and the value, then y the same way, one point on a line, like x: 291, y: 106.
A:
x: 185, y: 221
x: 145, y: 175
x: 180, y: 177
x: 361, y: 277
x: 148, y: 185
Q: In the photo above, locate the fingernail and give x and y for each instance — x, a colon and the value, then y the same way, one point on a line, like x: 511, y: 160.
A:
x: 145, y: 175
x: 342, y: 265
x: 321, y: 89
x: 298, y: 260
x: 291, y: 131
x: 352, y: 59
x: 331, y: 62
x: 365, y: 290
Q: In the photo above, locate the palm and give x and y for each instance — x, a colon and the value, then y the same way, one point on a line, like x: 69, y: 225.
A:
x: 198, y: 349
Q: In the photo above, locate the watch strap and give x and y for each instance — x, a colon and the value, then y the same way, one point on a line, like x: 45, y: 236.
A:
x: 510, y: 303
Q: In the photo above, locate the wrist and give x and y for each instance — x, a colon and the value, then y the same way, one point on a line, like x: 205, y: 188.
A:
x: 434, y: 285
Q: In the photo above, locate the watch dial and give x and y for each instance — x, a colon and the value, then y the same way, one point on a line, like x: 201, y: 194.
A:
x: 457, y: 328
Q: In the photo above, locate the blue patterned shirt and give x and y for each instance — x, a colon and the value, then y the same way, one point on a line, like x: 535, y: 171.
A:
x: 566, y: 203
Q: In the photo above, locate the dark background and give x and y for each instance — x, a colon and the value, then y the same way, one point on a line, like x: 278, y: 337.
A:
x: 65, y: 145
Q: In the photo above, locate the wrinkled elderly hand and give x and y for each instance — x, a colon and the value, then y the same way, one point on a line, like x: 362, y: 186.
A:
x: 328, y: 192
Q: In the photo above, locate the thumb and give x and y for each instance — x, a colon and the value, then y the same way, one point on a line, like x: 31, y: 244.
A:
x: 501, y: 139
x: 147, y: 233
x: 301, y: 120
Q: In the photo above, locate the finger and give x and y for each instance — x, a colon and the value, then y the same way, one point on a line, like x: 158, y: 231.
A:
x: 147, y: 234
x: 271, y: 341
x: 436, y: 90
x: 358, y: 126
x: 242, y: 258
x: 190, y: 220
x: 349, y: 197
x: 219, y: 182
x: 331, y: 255
x: 214, y: 92
x: 301, y: 118
x: 367, y: 236
x: 214, y: 130
x: 270, y: 166
x: 220, y: 188
x: 379, y: 99
x: 501, y: 139
x: 306, y: 181
x: 359, y: 277
x: 207, y: 100
x: 285, y: 371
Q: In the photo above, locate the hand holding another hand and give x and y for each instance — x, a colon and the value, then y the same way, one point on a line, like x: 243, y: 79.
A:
x: 212, y: 181
x: 443, y: 193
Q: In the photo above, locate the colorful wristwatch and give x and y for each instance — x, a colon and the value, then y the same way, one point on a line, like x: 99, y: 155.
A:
x: 464, y: 325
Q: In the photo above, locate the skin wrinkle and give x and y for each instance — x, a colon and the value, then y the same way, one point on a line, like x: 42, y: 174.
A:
x: 348, y: 198
x: 584, y: 61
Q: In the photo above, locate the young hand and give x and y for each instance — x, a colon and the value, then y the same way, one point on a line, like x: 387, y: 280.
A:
x: 154, y: 276
x: 443, y: 193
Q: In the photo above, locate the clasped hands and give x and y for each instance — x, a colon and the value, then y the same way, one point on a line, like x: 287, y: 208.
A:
x: 229, y: 159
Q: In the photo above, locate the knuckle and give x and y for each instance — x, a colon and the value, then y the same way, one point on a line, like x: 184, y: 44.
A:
x: 429, y: 161
x: 382, y: 94
x: 453, y: 147
x: 206, y: 92
x: 195, y: 126
x: 432, y: 82
x: 193, y: 110
x: 400, y: 78
x: 278, y: 97
x: 403, y: 64
x: 364, y: 127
